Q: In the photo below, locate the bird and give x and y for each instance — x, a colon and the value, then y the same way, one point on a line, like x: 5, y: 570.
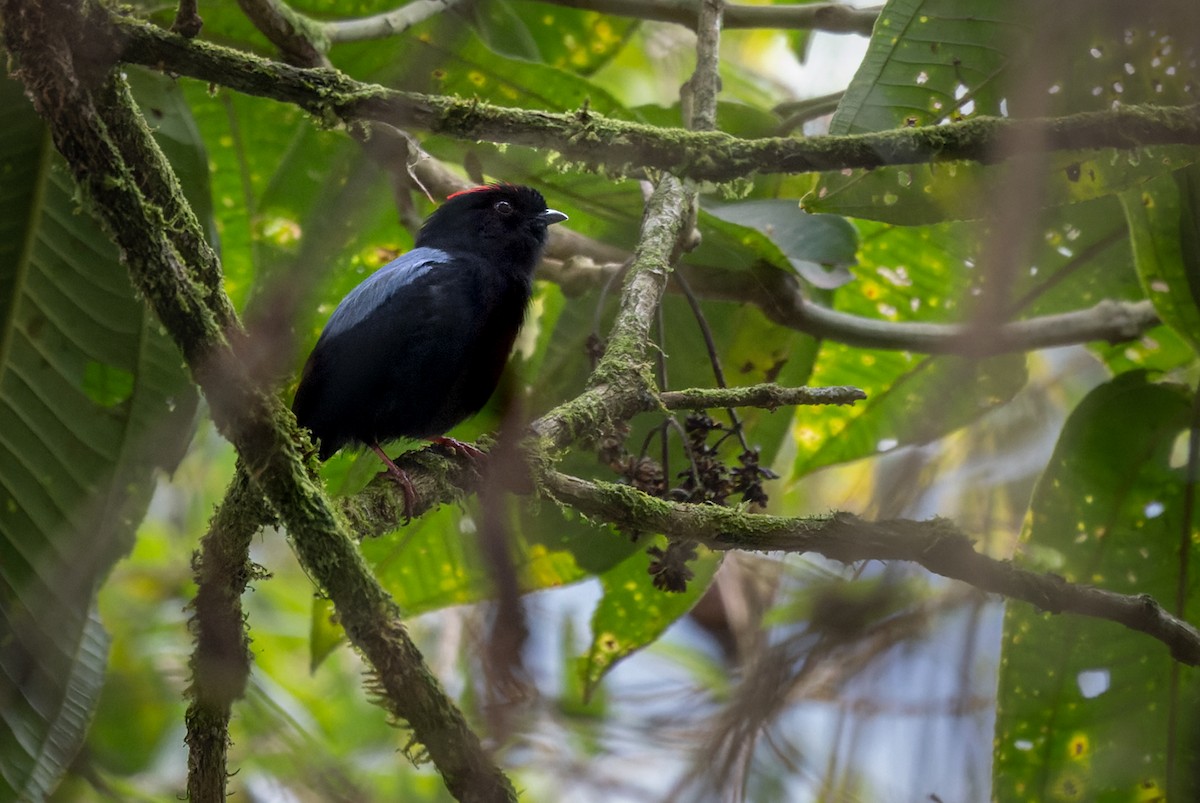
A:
x: 420, y: 344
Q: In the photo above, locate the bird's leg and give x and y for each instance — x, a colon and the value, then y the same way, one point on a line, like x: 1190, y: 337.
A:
x: 401, y: 477
x: 452, y: 445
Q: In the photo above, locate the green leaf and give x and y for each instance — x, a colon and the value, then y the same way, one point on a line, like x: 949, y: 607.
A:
x: 908, y: 401
x: 94, y: 400
x: 1083, y: 704
x: 807, y: 241
x: 929, y: 59
x: 1164, y: 221
x: 325, y: 633
x: 902, y: 274
x: 435, y: 561
x: 1159, y: 350
x: 633, y: 613
x: 471, y: 70
x: 574, y: 701
x: 1079, y: 255
x: 570, y: 39
x: 738, y: 119
x: 936, y: 61
x: 918, y: 194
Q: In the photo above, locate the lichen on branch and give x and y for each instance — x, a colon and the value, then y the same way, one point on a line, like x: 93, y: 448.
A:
x: 619, y: 145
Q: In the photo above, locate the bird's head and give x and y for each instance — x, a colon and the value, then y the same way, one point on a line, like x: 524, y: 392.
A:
x: 506, y: 222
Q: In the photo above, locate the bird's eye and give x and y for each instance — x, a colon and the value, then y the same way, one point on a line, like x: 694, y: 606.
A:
x: 503, y: 207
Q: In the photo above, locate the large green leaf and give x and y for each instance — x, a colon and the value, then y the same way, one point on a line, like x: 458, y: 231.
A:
x: 903, y: 274
x: 1164, y: 221
x: 566, y: 38
x: 919, y: 194
x: 436, y: 561
x: 1084, y: 705
x: 936, y: 61
x: 462, y: 65
x: 810, y: 243
x: 93, y: 399
x: 633, y: 613
x: 909, y: 401
x: 929, y: 59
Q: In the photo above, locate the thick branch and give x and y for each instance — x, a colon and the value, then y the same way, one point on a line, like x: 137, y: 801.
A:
x: 41, y: 36
x: 621, y: 385
x: 1111, y: 321
x: 781, y: 299
x: 221, y: 656
x: 595, y: 140
x: 937, y: 545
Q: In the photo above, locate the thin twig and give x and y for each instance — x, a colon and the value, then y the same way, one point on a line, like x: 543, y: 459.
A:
x: 781, y: 299
x: 699, y: 95
x: 713, y: 358
x: 1187, y: 526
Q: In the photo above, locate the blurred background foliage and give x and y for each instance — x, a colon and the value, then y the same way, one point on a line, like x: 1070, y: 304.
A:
x: 771, y: 677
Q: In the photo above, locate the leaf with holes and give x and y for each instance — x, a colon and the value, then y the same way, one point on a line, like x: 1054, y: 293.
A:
x: 914, y: 195
x: 1084, y: 705
x: 633, y: 613
x: 1164, y: 221
x: 909, y: 401
x: 937, y: 61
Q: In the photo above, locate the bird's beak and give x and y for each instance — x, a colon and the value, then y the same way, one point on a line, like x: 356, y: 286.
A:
x: 552, y: 216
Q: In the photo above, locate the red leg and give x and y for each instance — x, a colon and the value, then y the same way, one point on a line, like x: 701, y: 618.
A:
x: 465, y: 449
x: 401, y: 477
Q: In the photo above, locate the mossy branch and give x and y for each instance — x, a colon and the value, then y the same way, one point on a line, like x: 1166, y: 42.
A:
x: 220, y: 661
x: 618, y: 145
x: 938, y: 545
x: 767, y: 395
x: 63, y: 69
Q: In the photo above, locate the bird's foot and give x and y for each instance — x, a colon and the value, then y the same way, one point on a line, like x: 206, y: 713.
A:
x: 402, y: 479
x: 472, y: 453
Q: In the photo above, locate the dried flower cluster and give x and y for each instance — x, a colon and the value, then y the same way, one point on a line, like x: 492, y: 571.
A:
x: 705, y: 479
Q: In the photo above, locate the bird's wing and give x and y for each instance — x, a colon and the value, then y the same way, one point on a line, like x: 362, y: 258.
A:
x: 374, y: 291
x: 392, y: 359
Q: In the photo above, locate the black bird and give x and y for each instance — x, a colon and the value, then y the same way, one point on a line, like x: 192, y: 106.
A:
x: 420, y: 344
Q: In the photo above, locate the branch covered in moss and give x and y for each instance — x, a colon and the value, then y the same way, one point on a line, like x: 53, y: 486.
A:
x: 61, y: 65
x: 619, y: 145
x: 937, y: 545
x: 768, y: 395
x: 220, y: 661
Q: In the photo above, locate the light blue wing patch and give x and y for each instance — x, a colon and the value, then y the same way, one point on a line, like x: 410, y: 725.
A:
x: 379, y: 287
